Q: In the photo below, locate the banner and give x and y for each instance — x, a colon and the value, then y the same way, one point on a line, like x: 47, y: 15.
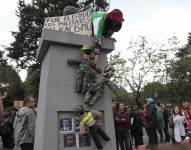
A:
x: 79, y: 23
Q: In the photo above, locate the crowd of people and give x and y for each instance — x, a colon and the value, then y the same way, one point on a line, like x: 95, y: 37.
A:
x: 17, y: 126
x: 162, y: 124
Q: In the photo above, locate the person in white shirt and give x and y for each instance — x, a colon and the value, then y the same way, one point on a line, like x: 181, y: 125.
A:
x: 179, y: 120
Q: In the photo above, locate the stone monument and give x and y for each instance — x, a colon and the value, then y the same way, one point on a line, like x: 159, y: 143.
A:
x: 57, y: 97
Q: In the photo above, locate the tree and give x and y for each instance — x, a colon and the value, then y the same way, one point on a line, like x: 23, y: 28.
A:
x: 3, y: 61
x: 24, y: 48
x: 121, y: 94
x: 31, y: 20
x: 94, y: 5
x: 10, y: 76
x: 180, y: 73
x: 145, y: 61
x: 32, y: 82
x: 157, y: 90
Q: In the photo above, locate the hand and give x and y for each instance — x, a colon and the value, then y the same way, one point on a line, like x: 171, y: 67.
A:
x: 116, y: 118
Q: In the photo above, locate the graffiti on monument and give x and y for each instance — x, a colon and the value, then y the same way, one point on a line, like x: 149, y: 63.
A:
x: 79, y: 23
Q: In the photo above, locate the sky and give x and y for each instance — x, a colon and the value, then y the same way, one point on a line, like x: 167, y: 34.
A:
x: 155, y: 19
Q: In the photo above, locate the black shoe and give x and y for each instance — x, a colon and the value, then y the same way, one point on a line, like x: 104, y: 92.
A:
x: 100, y: 147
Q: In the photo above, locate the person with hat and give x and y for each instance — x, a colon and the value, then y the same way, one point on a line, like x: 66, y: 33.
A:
x: 69, y: 10
x: 87, y: 69
x: 87, y: 121
x: 113, y: 22
x: 151, y: 123
x: 104, y: 25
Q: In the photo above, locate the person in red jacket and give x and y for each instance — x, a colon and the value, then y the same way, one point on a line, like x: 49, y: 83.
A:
x: 122, y: 119
x: 187, y: 113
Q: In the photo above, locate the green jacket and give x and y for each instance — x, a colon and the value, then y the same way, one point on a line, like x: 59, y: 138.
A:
x: 160, y: 118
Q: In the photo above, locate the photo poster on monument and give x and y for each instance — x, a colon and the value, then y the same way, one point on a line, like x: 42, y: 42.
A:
x: 68, y: 130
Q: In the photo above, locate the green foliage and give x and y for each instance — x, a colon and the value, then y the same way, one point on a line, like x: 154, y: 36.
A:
x: 181, y: 69
x: 186, y: 50
x: 180, y: 74
x: 3, y: 61
x: 157, y: 90
x: 31, y: 84
x: 120, y: 94
x: 10, y: 76
x: 31, y: 20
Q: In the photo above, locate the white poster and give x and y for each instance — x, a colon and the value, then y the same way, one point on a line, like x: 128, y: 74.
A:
x: 79, y: 23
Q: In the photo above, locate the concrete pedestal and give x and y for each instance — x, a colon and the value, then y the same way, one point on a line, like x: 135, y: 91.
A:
x: 57, y: 97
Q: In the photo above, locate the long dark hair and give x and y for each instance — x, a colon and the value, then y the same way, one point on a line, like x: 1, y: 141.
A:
x: 180, y: 112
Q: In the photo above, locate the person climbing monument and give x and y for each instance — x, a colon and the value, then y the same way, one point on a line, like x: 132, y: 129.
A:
x: 87, y: 121
x: 87, y: 69
x: 96, y: 89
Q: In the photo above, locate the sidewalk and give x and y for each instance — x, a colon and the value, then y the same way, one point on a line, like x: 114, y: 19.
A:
x: 168, y: 147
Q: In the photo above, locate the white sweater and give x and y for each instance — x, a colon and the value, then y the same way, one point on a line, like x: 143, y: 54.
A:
x: 179, y: 129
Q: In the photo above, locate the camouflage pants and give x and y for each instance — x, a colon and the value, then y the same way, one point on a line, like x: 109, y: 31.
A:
x: 80, y: 77
x: 85, y: 76
x: 91, y: 97
x: 87, y: 81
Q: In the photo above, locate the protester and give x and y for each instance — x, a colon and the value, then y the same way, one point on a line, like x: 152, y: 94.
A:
x: 136, y: 127
x: 24, y: 125
x: 115, y: 110
x: 177, y: 124
x: 6, y: 126
x: 151, y: 123
x: 160, y: 122
x: 166, y: 115
x: 187, y: 114
x: 87, y: 121
x: 122, y: 119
